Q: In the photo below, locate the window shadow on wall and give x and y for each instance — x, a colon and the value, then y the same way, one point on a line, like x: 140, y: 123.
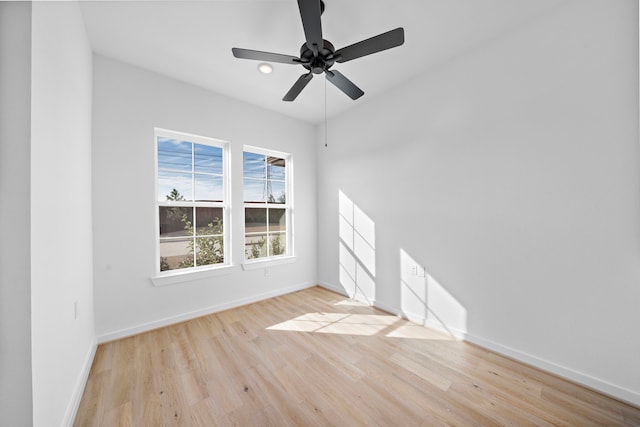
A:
x: 357, y: 251
x: 424, y: 300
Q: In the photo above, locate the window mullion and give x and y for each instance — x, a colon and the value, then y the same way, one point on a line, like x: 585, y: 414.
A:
x: 268, y: 245
x: 193, y: 196
x: 193, y: 173
x: 193, y: 227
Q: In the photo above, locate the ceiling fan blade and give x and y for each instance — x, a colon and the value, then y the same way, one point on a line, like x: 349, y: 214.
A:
x: 374, y: 44
x: 310, y: 11
x: 264, y: 56
x: 344, y: 84
x: 297, y: 87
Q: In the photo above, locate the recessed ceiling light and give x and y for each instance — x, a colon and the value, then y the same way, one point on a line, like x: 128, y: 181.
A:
x: 265, y: 68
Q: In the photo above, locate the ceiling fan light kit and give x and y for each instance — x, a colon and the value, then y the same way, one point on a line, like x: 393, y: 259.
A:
x: 318, y: 55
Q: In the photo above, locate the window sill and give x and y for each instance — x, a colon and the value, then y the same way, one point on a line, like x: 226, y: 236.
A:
x: 268, y: 262
x: 188, y: 276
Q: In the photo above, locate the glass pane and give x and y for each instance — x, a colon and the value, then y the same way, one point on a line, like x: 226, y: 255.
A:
x: 207, y: 159
x: 277, y: 220
x: 209, y: 250
x: 174, y: 154
x: 208, y: 221
x: 208, y: 188
x: 174, y: 186
x: 255, y: 246
x: 276, y: 168
x: 175, y: 221
x: 254, y: 190
x: 255, y: 220
x: 277, y: 192
x: 277, y: 244
x: 253, y: 165
x: 175, y: 254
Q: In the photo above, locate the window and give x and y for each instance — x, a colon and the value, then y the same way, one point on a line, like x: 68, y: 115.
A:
x: 191, y: 201
x: 267, y: 203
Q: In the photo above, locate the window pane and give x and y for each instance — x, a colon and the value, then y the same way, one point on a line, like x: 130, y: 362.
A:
x: 175, y: 221
x: 176, y: 254
x: 255, y: 220
x: 207, y: 159
x: 277, y: 220
x: 209, y: 250
x: 255, y: 246
x: 277, y: 192
x: 208, y: 188
x: 277, y: 244
x: 190, y: 174
x: 174, y: 154
x: 265, y: 183
x: 174, y: 186
x: 254, y: 190
x: 276, y: 168
x: 253, y: 165
x: 208, y: 221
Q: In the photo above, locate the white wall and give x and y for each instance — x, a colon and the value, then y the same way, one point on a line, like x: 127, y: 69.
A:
x: 15, y: 296
x: 512, y: 175
x: 61, y: 240
x: 128, y: 103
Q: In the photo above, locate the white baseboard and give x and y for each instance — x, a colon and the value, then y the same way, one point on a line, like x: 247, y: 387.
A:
x: 604, y: 387
x: 145, y: 327
x: 393, y: 310
x: 421, y: 320
x: 78, y: 390
x: 337, y: 289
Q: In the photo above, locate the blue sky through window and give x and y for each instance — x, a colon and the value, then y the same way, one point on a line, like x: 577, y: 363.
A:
x: 195, y: 170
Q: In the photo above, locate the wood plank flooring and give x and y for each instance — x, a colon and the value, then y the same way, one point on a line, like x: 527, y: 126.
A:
x: 316, y: 358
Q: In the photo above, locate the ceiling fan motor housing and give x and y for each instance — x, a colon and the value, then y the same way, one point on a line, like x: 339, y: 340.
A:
x: 322, y: 62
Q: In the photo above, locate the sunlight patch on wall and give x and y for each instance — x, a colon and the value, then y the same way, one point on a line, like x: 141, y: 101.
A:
x: 423, y: 299
x: 357, y: 254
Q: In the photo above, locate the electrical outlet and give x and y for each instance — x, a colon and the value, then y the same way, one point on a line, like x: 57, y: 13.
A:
x: 75, y: 310
x: 421, y: 272
x: 418, y: 271
x: 267, y: 272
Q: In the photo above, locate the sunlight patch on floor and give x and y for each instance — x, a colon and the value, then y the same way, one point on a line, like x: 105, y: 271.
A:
x: 337, y: 323
x: 351, y: 303
x: 415, y: 331
x: 358, y: 324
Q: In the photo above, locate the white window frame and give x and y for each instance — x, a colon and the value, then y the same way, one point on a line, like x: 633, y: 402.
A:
x: 185, y: 274
x: 289, y: 255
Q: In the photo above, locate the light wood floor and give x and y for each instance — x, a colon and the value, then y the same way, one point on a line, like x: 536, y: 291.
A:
x: 315, y: 358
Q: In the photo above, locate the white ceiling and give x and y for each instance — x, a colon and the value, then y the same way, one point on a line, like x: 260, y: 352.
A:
x: 192, y: 40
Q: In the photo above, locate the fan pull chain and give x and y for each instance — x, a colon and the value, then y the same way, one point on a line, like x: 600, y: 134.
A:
x: 325, y: 111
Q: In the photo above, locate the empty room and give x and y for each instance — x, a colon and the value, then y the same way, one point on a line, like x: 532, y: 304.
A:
x: 310, y: 213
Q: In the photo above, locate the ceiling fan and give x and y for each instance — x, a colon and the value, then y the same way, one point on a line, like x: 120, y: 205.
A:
x: 318, y: 55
